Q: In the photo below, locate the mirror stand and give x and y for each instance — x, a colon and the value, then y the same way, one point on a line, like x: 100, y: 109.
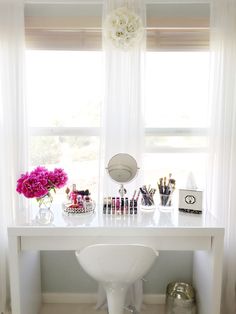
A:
x: 122, y: 190
x: 122, y: 168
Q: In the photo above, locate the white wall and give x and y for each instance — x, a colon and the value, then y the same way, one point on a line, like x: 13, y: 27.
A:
x: 61, y: 273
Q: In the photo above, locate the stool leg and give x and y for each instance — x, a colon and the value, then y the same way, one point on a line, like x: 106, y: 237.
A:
x: 116, y: 294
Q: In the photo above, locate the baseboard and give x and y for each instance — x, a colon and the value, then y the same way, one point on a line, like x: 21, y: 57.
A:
x: 154, y: 298
x: 92, y: 298
x: 69, y: 297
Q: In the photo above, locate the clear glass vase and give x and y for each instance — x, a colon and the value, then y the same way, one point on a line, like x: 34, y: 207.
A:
x: 45, y: 215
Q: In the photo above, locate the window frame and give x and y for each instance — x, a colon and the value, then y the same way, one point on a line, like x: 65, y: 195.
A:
x: 173, y: 34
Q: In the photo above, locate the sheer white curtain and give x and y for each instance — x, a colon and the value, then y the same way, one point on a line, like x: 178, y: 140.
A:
x: 122, y: 121
x: 13, y: 132
x: 222, y: 141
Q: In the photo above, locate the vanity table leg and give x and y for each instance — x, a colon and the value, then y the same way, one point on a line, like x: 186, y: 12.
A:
x: 207, y: 277
x: 25, y: 279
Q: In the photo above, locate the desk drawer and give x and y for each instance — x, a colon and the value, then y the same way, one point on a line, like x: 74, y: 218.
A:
x: 170, y: 243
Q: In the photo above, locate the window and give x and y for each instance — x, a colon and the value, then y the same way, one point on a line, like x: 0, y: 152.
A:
x: 177, y: 67
x: 64, y: 96
x: 176, y: 115
x: 65, y: 84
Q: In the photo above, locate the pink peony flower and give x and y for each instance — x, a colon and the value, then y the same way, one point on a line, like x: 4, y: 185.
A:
x: 20, y: 182
x: 58, y: 177
x: 32, y: 187
x: 40, y: 181
x: 42, y: 175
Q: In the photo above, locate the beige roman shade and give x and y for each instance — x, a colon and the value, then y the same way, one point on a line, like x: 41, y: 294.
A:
x: 79, y: 27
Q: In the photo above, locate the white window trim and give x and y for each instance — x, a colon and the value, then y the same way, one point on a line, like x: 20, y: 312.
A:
x: 64, y: 131
x: 95, y: 131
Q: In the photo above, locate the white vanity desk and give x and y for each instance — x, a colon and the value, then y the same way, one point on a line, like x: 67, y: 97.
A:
x: 163, y: 231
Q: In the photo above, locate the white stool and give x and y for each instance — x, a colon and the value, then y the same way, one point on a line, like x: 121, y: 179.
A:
x: 116, y: 266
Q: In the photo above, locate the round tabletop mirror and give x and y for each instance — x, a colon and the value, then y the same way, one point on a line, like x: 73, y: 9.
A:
x: 122, y: 168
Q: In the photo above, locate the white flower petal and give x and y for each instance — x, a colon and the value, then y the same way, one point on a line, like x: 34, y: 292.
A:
x: 123, y: 28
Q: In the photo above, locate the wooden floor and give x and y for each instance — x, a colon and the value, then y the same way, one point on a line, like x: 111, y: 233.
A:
x: 89, y: 309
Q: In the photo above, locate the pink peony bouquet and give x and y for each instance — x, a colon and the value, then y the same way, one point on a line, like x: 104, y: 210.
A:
x: 40, y: 182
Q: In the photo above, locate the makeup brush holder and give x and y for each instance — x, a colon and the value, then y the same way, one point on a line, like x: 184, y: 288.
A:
x: 147, y: 206
x: 166, y: 202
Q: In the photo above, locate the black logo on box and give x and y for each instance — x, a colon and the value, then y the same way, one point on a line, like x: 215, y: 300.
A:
x: 190, y: 199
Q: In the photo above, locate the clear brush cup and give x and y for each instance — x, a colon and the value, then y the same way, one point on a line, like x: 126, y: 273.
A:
x: 166, y: 202
x: 147, y: 206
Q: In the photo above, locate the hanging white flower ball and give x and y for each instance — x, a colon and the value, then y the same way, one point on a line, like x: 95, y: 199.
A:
x: 123, y: 28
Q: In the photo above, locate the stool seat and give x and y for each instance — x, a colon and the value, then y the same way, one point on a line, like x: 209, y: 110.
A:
x: 116, y: 267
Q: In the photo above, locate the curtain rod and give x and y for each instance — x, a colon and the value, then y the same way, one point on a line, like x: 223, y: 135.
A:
x: 102, y: 1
